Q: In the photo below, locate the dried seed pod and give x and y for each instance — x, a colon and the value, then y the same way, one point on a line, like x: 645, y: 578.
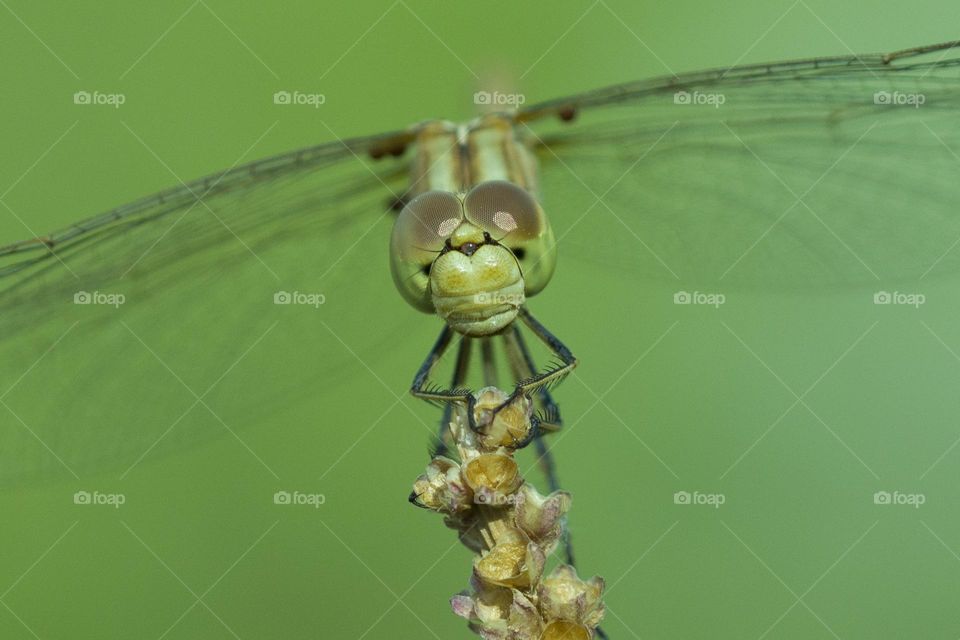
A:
x: 564, y: 596
x: 486, y: 400
x: 493, y: 477
x: 441, y: 487
x: 498, y: 613
x: 513, y: 561
x: 541, y: 517
x: 565, y: 630
x: 487, y: 605
x: 508, y: 426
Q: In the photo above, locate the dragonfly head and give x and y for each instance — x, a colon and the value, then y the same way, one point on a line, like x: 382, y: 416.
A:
x: 473, y: 258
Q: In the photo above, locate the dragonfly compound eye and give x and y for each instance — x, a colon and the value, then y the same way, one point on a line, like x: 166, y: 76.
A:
x: 419, y: 236
x: 514, y: 219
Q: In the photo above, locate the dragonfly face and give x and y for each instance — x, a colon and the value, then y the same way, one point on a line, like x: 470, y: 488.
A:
x: 472, y: 258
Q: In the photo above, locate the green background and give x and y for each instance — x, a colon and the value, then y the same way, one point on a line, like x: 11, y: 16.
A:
x: 798, y: 550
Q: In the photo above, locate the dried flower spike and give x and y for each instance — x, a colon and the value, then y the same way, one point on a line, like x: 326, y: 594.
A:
x: 511, y: 527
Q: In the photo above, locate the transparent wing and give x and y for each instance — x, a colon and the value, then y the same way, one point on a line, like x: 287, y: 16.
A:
x: 202, y: 310
x: 814, y: 174
x: 183, y: 316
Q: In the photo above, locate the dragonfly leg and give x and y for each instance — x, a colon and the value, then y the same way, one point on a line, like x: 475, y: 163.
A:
x: 553, y: 374
x: 551, y: 419
x: 490, y: 380
x: 489, y: 364
x: 459, y: 379
x: 433, y: 394
x: 524, y: 387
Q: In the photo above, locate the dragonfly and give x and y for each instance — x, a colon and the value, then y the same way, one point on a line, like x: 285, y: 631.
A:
x: 812, y: 174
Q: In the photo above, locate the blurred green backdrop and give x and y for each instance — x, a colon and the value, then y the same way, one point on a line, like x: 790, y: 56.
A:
x: 199, y: 550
